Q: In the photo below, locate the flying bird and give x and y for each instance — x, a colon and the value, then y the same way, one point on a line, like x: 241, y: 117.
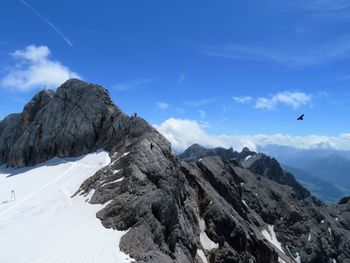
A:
x: 301, y: 117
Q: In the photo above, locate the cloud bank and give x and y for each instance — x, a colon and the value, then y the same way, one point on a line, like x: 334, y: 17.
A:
x: 33, y: 69
x: 173, y: 129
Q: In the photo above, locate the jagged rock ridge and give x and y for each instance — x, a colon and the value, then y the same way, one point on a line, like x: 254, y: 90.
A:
x: 258, y: 163
x: 196, y: 151
x: 76, y: 119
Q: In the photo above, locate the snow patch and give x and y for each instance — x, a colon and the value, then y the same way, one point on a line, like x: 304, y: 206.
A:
x: 322, y: 221
x: 116, y: 171
x: 281, y: 260
x: 202, y: 256
x: 245, y: 203
x: 247, y: 157
x: 297, y: 258
x: 89, y: 195
x: 330, y: 230
x: 206, y: 242
x: 336, y: 219
x: 115, y: 181
x: 270, y: 235
x: 125, y: 154
x: 46, y: 224
x: 309, y: 237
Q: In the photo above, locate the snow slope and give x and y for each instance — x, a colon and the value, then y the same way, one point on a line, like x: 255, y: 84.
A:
x: 270, y: 235
x: 44, y: 224
x: 206, y: 242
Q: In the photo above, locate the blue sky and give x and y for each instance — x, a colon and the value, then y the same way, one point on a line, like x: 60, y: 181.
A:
x: 229, y: 67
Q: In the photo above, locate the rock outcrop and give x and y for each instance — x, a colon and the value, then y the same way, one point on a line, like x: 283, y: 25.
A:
x: 269, y: 167
x: 196, y: 151
x: 76, y: 119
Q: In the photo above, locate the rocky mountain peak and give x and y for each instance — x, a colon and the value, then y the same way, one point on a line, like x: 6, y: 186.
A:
x: 245, y: 150
x: 196, y: 151
x: 75, y: 91
x: 76, y: 119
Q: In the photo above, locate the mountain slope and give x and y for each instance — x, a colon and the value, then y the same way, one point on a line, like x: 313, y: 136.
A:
x: 270, y: 168
x: 231, y: 208
x: 308, y: 230
x: 45, y: 224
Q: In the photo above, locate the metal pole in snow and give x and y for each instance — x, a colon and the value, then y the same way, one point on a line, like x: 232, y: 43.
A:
x: 13, y: 195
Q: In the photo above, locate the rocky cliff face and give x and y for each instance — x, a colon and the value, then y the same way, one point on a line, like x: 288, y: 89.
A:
x: 222, y: 207
x: 76, y: 119
x: 269, y: 167
x: 258, y: 163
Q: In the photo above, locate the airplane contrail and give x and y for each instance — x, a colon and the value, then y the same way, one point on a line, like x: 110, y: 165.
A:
x: 59, y: 32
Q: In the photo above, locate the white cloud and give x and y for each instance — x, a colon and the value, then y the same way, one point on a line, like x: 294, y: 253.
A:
x: 292, y: 99
x: 173, y: 129
x: 202, y: 113
x: 34, y: 69
x: 242, y: 100
x: 131, y: 84
x: 345, y: 136
x: 163, y: 105
x: 182, y: 133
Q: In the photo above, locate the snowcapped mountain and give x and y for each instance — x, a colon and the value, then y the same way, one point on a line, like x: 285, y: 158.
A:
x: 115, y: 192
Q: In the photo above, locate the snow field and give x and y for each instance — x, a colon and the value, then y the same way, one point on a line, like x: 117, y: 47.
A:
x: 44, y: 224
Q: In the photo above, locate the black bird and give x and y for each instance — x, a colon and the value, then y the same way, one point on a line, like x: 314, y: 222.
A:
x: 301, y: 117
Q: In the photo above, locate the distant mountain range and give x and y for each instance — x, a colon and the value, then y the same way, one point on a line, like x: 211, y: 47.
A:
x: 325, y: 172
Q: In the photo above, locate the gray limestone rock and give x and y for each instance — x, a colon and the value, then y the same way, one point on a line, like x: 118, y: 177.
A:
x: 76, y: 119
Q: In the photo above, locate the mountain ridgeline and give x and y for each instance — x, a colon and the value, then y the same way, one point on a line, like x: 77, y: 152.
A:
x: 206, y: 205
x: 325, y: 171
